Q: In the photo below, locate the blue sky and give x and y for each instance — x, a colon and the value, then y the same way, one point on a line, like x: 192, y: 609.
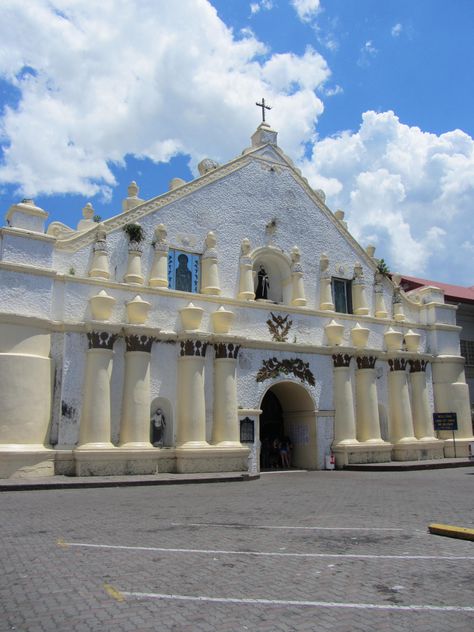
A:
x: 373, y: 100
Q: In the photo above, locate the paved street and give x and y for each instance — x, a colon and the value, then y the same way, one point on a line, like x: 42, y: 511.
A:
x: 342, y: 551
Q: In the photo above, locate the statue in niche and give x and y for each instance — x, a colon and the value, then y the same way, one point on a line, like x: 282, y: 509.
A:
x: 158, y: 425
x: 183, y: 274
x: 263, y: 284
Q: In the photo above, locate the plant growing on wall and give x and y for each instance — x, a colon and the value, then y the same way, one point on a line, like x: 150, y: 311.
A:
x: 134, y: 232
x: 382, y: 268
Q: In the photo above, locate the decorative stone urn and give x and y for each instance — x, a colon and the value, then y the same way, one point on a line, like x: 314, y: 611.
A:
x: 137, y: 310
x: 393, y: 340
x: 360, y: 336
x: 334, y: 332
x: 191, y: 317
x: 101, y: 305
x: 222, y: 320
x: 412, y: 341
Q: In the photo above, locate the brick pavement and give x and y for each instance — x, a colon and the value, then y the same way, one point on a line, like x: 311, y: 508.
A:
x: 48, y: 586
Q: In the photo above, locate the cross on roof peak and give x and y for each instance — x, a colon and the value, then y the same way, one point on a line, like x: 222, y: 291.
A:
x: 264, y: 107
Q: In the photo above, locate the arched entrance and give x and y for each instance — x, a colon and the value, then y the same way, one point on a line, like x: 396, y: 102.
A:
x: 288, y: 410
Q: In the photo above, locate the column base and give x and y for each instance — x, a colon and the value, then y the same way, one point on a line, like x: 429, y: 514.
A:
x: 18, y: 461
x: 211, y: 459
x: 362, y: 453
x: 124, y: 462
x: 136, y: 445
x: 462, y: 447
x: 416, y: 450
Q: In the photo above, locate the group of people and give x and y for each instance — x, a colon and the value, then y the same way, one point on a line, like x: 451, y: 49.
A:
x: 275, y: 453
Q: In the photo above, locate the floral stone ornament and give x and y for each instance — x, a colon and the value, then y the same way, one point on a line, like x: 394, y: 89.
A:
x: 273, y: 367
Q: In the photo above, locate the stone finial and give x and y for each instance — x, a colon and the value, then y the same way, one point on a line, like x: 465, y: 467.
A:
x: 222, y: 320
x: 245, y: 247
x: 210, y: 241
x: 360, y: 336
x: 88, y: 211
x: 295, y: 254
x: 370, y: 250
x: 26, y: 215
x: 339, y: 215
x: 321, y: 195
x: 264, y: 135
x: 132, y: 190
x: 207, y: 165
x: 358, y: 272
x: 323, y: 263
x: 101, y: 233
x: 191, y: 317
x: 132, y: 200
x: 161, y: 232
x: 101, y: 306
x: 137, y: 310
x: 334, y: 332
x: 175, y: 183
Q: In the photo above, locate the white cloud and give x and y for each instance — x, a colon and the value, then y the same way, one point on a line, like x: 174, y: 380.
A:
x: 140, y: 79
x: 261, y: 5
x: 306, y: 9
x: 396, y: 30
x: 410, y: 191
x: 366, y: 53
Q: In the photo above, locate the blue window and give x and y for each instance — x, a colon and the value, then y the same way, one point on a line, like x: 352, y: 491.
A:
x: 183, y: 271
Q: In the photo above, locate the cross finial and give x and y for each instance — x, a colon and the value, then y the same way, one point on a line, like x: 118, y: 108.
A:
x: 264, y: 107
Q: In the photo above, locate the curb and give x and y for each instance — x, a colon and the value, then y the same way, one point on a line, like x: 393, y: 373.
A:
x: 450, y: 531
x: 419, y: 465
x: 132, y: 482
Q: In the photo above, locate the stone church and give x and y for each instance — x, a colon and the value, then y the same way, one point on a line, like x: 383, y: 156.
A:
x: 190, y: 330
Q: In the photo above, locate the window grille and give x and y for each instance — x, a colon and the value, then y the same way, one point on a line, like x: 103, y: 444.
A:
x: 467, y: 350
x: 247, y: 430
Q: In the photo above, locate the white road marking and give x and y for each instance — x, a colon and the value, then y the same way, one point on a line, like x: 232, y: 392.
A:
x: 289, y: 602
x: 284, y: 527
x: 358, y: 556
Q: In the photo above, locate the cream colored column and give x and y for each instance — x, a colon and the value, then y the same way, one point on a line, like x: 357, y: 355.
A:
x: 159, y: 268
x: 401, y: 420
x: 246, y: 286
x: 325, y: 290
x: 359, y: 299
x: 451, y: 393
x: 226, y: 429
x: 344, y: 420
x: 134, y: 264
x: 210, y: 270
x: 135, y: 423
x: 191, y: 431
x: 422, y: 419
x: 367, y: 405
x: 100, y: 258
x: 380, y: 307
x: 94, y: 430
x: 297, y: 284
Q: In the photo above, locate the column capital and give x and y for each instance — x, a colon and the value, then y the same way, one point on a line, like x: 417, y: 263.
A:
x: 397, y: 364
x: 366, y: 362
x: 228, y: 350
x: 193, y: 348
x: 139, y: 343
x: 101, y: 339
x: 417, y: 366
x: 341, y: 360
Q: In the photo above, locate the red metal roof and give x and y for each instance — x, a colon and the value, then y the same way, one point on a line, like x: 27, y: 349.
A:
x: 456, y: 293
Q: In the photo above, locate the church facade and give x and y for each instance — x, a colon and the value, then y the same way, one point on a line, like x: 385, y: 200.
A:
x: 191, y: 330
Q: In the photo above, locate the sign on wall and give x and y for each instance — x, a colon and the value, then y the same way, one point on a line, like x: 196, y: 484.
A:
x: 445, y: 421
